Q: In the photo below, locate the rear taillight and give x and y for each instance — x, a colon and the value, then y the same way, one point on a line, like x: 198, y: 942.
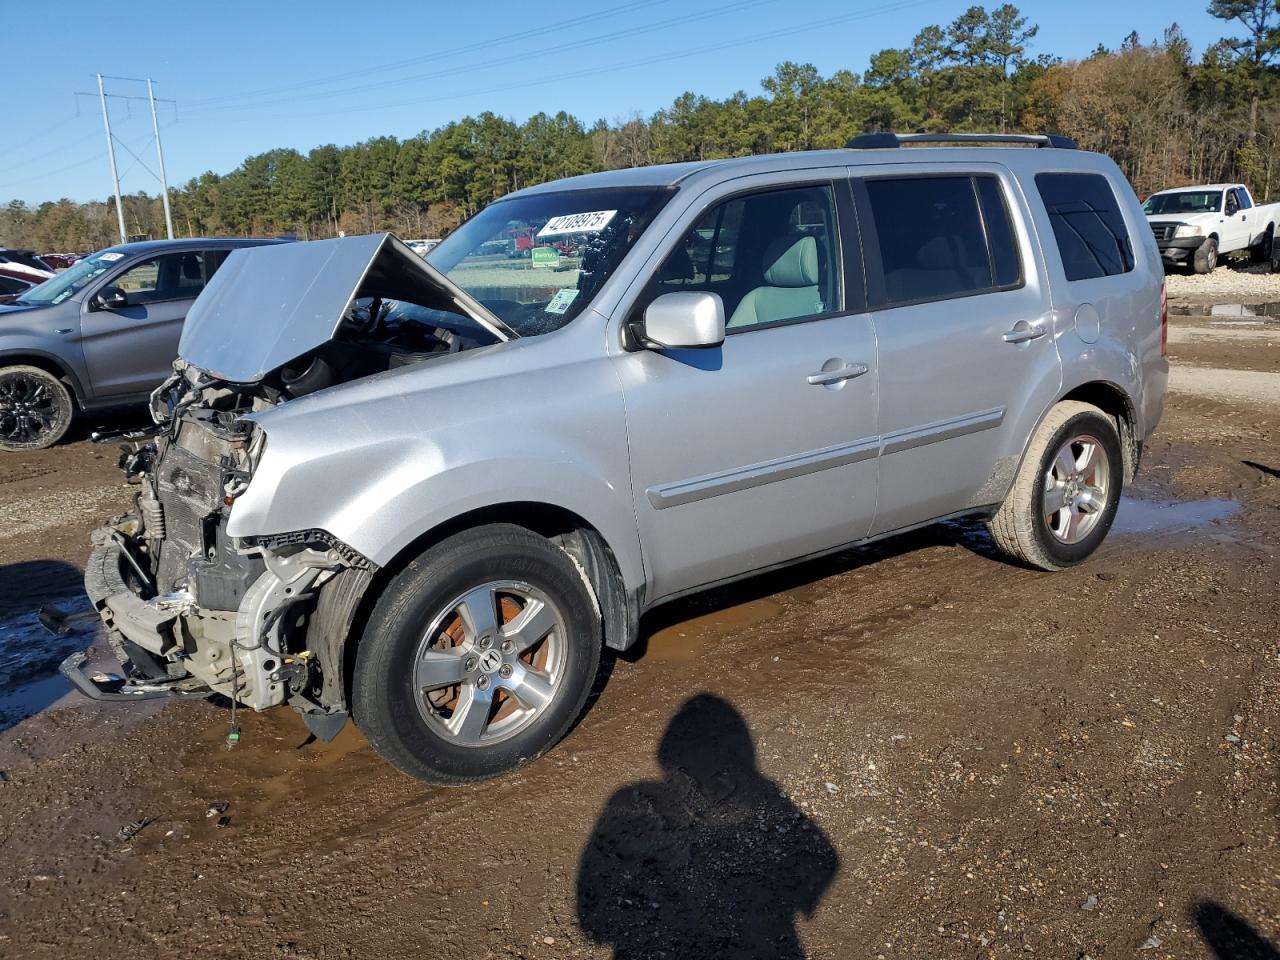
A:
x: 1164, y: 321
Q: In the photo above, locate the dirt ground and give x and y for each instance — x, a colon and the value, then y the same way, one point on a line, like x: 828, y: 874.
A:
x: 911, y: 750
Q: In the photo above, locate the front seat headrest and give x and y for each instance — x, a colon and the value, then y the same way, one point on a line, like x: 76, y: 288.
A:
x: 791, y: 261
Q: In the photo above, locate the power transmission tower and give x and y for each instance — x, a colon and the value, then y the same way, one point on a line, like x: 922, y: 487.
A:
x: 111, y: 151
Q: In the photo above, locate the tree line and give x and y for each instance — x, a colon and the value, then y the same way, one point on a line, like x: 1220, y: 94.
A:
x: 1165, y: 116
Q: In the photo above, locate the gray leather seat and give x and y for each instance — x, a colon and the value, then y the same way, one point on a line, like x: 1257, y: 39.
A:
x: 791, y: 278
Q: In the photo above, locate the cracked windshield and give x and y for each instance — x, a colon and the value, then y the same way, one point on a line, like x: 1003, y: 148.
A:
x: 536, y: 262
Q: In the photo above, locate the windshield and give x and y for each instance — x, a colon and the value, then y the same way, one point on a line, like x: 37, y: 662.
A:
x: 537, y: 261
x: 73, y: 280
x: 1185, y: 201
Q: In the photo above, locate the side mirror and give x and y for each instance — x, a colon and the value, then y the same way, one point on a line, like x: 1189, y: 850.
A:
x: 110, y: 298
x: 686, y: 320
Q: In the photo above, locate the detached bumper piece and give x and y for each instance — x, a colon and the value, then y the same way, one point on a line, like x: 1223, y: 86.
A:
x: 116, y: 689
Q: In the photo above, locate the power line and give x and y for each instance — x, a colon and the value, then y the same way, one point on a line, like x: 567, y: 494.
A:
x: 30, y: 160
x: 490, y: 64
x: 94, y: 158
x: 121, y: 96
x: 557, y: 27
x: 614, y: 68
x: 43, y: 133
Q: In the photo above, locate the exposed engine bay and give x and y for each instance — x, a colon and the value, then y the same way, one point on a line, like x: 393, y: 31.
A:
x: 261, y: 620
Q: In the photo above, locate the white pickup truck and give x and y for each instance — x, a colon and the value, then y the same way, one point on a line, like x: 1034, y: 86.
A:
x: 1197, y: 226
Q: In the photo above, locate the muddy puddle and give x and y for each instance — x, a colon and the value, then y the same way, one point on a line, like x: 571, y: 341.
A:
x: 30, y: 654
x: 1265, y: 312
x: 686, y: 639
x: 1140, y: 516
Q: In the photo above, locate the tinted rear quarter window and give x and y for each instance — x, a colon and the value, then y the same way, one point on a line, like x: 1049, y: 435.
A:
x: 1006, y: 267
x: 1087, y: 224
x: 941, y: 237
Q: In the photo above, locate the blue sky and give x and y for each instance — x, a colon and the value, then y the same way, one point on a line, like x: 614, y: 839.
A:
x: 252, y: 76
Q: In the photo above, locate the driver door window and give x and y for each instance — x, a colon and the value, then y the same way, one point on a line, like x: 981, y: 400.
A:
x: 173, y: 276
x: 772, y: 256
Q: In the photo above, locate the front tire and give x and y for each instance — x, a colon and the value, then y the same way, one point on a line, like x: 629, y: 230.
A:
x: 1066, y: 492
x: 36, y: 408
x: 1206, y: 256
x: 478, y: 657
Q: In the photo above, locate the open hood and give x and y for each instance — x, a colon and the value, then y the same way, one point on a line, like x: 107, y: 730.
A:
x: 269, y: 305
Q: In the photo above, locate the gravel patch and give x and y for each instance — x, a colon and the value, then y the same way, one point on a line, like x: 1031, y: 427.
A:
x: 1270, y: 335
x: 23, y: 516
x: 1226, y: 284
x: 1248, y: 386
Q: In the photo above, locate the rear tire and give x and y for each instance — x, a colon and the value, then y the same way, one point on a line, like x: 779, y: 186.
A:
x: 478, y: 656
x: 1206, y: 256
x: 36, y: 408
x: 1066, y: 492
x: 1262, y: 251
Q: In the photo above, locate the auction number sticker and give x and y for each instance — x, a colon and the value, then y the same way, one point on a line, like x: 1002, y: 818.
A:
x: 578, y: 223
x: 111, y: 257
x: 562, y: 300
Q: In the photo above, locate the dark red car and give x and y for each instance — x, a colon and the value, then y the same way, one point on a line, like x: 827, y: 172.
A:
x: 24, y: 265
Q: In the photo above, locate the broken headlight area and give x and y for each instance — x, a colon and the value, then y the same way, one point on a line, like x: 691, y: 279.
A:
x: 261, y: 619
x: 186, y: 604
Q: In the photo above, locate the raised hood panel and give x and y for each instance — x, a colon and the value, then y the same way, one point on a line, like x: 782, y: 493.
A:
x: 269, y: 305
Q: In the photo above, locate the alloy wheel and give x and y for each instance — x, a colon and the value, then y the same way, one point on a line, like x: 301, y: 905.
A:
x: 490, y: 663
x: 28, y: 409
x: 1076, y: 486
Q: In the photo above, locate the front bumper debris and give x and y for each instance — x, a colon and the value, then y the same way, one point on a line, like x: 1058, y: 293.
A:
x: 102, y: 687
x: 147, y: 623
x: 240, y: 652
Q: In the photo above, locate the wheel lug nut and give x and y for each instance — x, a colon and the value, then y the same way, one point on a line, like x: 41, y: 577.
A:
x: 505, y: 670
x: 507, y: 646
x: 483, y: 681
x: 470, y: 663
x: 486, y: 643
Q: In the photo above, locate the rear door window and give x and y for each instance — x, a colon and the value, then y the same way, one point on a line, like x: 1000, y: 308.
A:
x: 1087, y: 223
x: 938, y: 237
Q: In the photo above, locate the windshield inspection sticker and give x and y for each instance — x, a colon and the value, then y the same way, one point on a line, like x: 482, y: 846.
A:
x: 577, y: 223
x: 562, y: 300
x: 111, y: 257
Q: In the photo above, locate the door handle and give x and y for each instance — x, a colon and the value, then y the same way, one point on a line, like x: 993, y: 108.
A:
x: 1024, y: 332
x: 847, y: 372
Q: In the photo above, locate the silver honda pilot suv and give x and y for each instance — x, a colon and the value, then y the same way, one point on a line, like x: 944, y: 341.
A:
x: 426, y: 493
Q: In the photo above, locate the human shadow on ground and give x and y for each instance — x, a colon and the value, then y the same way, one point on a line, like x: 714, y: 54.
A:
x: 1262, y: 468
x: 1230, y: 937
x: 712, y: 860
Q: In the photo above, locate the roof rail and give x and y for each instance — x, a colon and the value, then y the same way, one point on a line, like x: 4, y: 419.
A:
x: 877, y: 141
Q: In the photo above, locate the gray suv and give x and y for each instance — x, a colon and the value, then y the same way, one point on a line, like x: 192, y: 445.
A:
x: 426, y: 493
x: 102, y: 333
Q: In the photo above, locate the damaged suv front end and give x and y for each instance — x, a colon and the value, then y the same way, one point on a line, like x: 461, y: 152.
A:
x: 190, y: 607
x: 183, y: 600
x: 390, y: 488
